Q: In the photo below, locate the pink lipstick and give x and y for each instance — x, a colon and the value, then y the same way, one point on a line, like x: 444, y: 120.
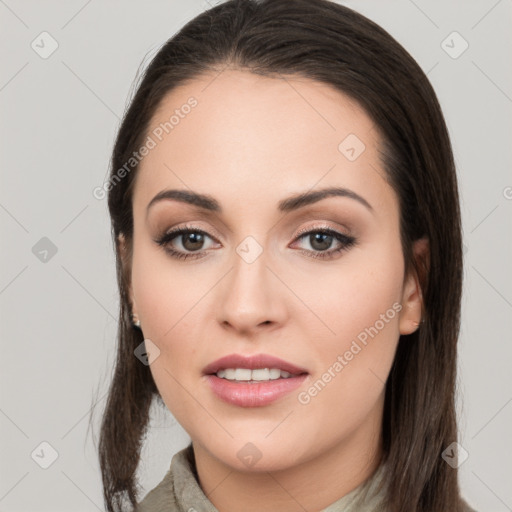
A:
x: 253, y: 381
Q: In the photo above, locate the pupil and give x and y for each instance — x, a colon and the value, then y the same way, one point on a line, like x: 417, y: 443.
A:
x: 196, y: 240
x: 324, y: 239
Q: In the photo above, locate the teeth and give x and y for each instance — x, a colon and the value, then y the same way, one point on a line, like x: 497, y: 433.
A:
x: 230, y: 374
x: 242, y: 374
x: 258, y: 374
x: 275, y: 373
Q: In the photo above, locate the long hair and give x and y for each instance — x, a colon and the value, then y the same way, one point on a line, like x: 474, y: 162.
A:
x: 333, y: 44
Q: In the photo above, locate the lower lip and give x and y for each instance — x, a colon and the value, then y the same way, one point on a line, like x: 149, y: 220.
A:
x: 257, y: 394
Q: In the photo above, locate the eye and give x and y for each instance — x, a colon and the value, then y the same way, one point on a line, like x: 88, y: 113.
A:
x: 321, y: 239
x: 190, y: 239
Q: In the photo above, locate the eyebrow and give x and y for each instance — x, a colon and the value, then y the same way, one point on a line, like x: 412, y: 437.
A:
x: 286, y: 205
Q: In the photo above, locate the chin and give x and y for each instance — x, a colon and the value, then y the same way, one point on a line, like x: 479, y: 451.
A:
x: 258, y: 454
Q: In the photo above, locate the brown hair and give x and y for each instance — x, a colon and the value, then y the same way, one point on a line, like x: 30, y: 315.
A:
x: 330, y: 43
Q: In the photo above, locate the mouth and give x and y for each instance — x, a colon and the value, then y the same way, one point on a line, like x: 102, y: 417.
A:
x: 253, y: 381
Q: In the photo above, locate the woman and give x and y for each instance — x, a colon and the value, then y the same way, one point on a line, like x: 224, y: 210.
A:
x: 285, y: 211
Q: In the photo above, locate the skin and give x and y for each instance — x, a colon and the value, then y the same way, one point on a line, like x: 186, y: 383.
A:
x: 250, y: 142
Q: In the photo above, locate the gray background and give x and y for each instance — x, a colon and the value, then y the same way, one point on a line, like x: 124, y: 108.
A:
x: 59, y: 116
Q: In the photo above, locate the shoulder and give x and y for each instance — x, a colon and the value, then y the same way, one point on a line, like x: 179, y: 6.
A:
x: 178, y: 486
x: 160, y: 498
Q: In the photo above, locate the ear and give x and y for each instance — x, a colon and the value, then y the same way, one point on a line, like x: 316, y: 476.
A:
x: 412, y: 298
x: 126, y: 262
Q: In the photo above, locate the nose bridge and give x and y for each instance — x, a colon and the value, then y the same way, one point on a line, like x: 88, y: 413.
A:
x: 249, y: 277
x: 250, y: 296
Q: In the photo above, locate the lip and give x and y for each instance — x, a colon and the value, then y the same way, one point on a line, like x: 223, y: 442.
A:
x: 250, y: 393
x: 251, y: 363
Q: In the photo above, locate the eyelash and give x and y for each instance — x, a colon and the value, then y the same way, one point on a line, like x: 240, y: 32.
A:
x: 345, y: 241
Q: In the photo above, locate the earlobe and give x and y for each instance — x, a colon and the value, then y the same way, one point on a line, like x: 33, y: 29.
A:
x: 412, y: 297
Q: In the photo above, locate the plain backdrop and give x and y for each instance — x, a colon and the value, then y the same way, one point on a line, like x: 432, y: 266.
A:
x: 58, y: 294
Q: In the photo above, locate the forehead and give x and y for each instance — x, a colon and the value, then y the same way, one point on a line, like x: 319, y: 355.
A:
x: 239, y: 134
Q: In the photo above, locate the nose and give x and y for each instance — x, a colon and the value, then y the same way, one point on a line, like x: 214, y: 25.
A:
x: 251, y: 298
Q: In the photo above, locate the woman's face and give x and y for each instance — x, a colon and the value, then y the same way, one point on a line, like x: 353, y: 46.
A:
x: 317, y: 283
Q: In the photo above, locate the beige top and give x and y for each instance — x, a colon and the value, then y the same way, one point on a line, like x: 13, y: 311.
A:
x: 180, y: 491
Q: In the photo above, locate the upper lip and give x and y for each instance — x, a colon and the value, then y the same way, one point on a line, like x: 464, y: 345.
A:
x: 252, y: 362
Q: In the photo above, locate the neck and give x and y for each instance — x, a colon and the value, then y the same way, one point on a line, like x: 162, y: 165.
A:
x: 311, y: 485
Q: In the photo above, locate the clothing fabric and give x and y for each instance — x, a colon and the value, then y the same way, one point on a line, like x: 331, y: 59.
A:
x: 179, y: 491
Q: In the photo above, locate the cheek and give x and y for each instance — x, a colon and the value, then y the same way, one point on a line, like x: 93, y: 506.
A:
x: 162, y: 304
x: 168, y: 301
x: 360, y: 309
x: 165, y: 295
x: 352, y: 297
